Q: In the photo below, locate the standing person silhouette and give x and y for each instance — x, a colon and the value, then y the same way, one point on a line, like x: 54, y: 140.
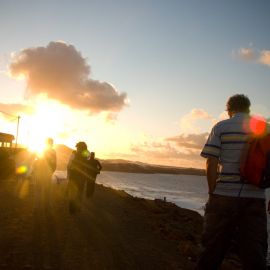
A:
x: 49, y: 156
x: 94, y: 170
x: 44, y: 167
x: 78, y: 175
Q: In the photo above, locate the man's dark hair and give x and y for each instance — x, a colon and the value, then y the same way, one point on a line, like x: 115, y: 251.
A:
x: 238, y: 103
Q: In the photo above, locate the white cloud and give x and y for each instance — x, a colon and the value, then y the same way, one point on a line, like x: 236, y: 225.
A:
x: 258, y: 56
x: 188, y: 122
x: 181, y: 150
x: 222, y: 116
x: 167, y: 154
x: 246, y: 53
x: 189, y: 141
x: 265, y: 57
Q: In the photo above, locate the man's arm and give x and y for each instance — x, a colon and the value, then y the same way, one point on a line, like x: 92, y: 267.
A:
x: 53, y: 161
x: 69, y: 165
x: 99, y: 166
x: 211, y: 173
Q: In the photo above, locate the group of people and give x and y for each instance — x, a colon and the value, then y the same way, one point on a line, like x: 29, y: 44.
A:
x: 234, y: 208
x: 82, y: 170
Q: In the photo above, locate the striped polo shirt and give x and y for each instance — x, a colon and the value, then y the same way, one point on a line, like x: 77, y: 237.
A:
x: 227, y: 142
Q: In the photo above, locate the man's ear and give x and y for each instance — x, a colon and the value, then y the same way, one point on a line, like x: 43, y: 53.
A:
x: 231, y: 113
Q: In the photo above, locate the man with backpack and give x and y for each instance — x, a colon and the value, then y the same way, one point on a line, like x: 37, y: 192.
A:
x: 234, y: 205
x: 78, y: 174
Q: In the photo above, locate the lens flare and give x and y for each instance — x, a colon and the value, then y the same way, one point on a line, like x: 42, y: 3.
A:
x: 21, y: 169
x: 85, y: 153
x: 257, y: 125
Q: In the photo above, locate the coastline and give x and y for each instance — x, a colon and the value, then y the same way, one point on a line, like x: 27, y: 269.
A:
x: 186, y: 191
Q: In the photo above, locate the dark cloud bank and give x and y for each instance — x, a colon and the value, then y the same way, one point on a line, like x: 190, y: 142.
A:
x: 60, y: 71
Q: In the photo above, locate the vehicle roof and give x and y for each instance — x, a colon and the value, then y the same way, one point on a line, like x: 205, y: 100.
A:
x: 5, y: 137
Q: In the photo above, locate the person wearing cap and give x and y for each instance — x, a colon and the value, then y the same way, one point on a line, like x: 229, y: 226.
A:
x: 77, y: 174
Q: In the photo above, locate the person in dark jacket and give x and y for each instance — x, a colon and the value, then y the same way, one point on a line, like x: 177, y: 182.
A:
x: 95, y: 168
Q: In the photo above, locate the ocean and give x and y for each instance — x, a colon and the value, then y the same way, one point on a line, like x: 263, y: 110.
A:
x: 187, y: 191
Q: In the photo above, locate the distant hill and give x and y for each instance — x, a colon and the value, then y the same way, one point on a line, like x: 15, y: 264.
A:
x: 121, y: 165
x: 134, y: 167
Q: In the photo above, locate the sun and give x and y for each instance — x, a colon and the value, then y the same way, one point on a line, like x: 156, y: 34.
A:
x: 51, y: 119
x: 38, y: 146
x: 46, y: 121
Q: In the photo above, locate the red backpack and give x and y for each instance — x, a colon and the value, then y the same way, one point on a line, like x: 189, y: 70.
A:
x: 255, y: 168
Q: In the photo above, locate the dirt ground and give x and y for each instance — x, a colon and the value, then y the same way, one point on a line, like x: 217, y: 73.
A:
x: 112, y: 231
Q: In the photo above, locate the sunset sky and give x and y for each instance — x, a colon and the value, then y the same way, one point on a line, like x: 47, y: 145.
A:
x: 138, y: 80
